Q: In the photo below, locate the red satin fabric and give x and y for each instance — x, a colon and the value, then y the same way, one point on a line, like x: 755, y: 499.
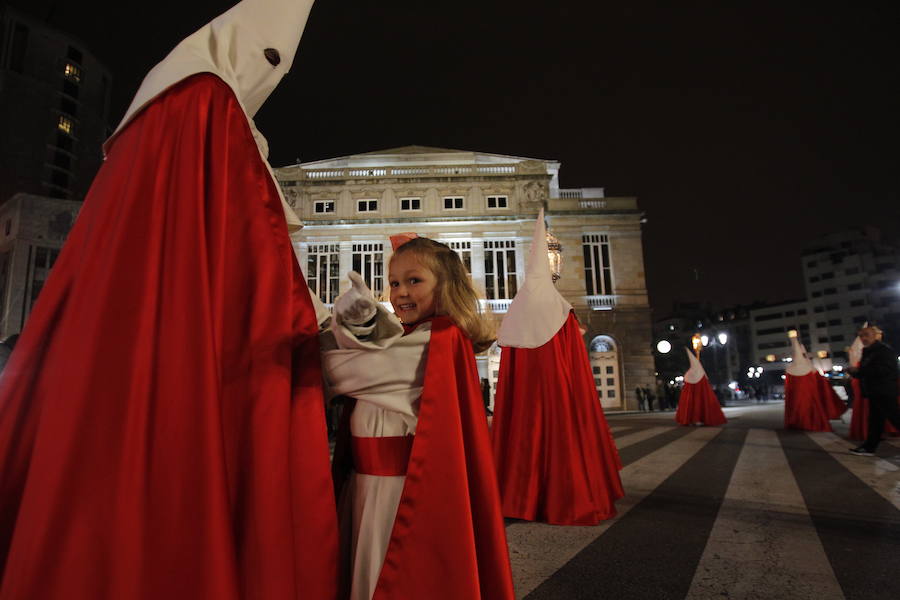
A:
x: 382, y: 456
x: 161, y: 421
x: 555, y: 456
x: 698, y: 404
x: 448, y: 541
x: 810, y: 402
x: 859, y: 418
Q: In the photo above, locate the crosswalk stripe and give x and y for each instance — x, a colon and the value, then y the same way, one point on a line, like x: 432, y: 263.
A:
x: 630, y: 439
x: 763, y: 537
x: 881, y: 475
x: 537, y: 551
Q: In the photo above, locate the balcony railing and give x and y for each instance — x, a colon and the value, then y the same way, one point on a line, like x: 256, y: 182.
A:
x: 442, y: 171
x: 601, y: 302
x: 496, y: 306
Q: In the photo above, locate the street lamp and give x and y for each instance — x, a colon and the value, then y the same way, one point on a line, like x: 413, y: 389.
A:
x: 723, y: 338
x: 704, y: 339
x: 663, y: 347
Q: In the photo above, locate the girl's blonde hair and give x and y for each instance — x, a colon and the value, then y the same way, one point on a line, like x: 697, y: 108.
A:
x: 456, y: 297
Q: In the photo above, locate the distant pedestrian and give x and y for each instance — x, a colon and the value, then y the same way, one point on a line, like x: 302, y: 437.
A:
x: 877, y: 373
x: 642, y: 405
x: 648, y: 395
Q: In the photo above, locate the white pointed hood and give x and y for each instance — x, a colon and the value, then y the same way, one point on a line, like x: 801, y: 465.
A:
x: 854, y: 354
x: 232, y: 47
x: 800, y: 364
x: 538, y: 311
x: 695, y: 372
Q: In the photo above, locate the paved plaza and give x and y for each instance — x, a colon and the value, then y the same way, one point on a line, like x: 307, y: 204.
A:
x: 747, y: 510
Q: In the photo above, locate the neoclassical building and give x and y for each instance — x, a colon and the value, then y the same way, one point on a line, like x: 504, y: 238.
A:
x: 484, y: 206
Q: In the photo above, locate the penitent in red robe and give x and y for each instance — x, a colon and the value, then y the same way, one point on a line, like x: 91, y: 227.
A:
x: 810, y: 402
x: 448, y: 540
x: 698, y: 404
x: 555, y: 456
x: 161, y: 420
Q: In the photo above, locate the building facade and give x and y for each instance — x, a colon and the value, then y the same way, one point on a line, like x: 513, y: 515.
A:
x: 483, y: 205
x: 32, y: 232
x: 54, y: 109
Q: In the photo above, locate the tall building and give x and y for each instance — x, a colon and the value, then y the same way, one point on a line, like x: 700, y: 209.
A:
x: 54, y: 109
x: 32, y: 232
x: 483, y: 205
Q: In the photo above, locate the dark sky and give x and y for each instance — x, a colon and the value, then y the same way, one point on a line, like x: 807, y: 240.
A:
x: 745, y: 129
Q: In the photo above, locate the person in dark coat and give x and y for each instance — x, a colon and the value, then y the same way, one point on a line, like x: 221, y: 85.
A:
x: 877, y: 373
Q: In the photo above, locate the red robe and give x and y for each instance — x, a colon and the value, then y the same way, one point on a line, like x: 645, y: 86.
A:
x: 698, y: 404
x: 556, y: 459
x: 810, y: 402
x: 161, y: 420
x: 448, y: 541
x: 859, y: 418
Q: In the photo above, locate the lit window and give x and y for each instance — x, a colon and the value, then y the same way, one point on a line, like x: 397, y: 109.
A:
x: 453, y: 203
x: 597, y: 266
x: 410, y: 204
x: 65, y: 124
x: 366, y: 205
x: 322, y: 270
x: 368, y: 261
x: 500, y: 279
x: 72, y: 72
x: 497, y: 202
x: 323, y: 206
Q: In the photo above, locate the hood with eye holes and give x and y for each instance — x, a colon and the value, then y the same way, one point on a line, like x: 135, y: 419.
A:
x: 233, y: 47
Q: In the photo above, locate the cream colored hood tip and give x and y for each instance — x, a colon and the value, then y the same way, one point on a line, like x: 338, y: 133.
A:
x: 538, y: 311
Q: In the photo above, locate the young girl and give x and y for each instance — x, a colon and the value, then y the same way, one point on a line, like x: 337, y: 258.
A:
x: 421, y: 511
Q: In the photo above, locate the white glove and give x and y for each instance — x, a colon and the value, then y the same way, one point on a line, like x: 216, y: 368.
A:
x: 357, y: 305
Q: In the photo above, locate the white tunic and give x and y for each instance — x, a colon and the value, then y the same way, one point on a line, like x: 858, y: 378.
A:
x: 384, y: 372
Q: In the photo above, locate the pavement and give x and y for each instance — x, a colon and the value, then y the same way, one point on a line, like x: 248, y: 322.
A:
x: 744, y: 511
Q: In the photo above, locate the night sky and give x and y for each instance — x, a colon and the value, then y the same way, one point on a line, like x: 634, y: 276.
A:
x: 745, y: 131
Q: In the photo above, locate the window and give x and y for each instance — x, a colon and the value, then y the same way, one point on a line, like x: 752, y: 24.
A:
x: 410, y: 204
x: 323, y: 271
x: 823, y: 340
x: 852, y: 271
x: 68, y: 106
x: 453, y: 203
x: 859, y: 319
x: 819, y: 309
x: 368, y: 261
x: 829, y: 275
x: 597, y: 268
x: 62, y: 160
x: 834, y: 306
x: 70, y: 88
x: 74, y: 54
x: 858, y: 302
x: 72, y: 72
x: 63, y: 141
x: 804, y: 326
x: 836, y: 338
x: 854, y: 286
x: 801, y: 311
x: 817, y: 294
x: 497, y: 202
x: 830, y: 291
x: 814, y: 279
x: 500, y: 269
x: 821, y: 324
x: 41, y: 261
x: 770, y: 331
x: 834, y: 322
x: 812, y: 264
x: 464, y: 250
x: 65, y: 124
x: 323, y: 206
x: 610, y: 370
x: 366, y: 205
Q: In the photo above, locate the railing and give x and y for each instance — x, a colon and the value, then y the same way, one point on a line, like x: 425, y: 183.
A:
x: 601, y: 302
x: 570, y: 194
x: 497, y: 306
x: 443, y: 171
x: 592, y: 204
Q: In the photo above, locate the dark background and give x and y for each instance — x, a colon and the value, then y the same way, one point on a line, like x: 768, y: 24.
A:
x: 745, y: 129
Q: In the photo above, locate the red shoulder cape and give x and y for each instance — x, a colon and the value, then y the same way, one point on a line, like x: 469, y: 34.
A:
x: 161, y: 420
x: 448, y: 540
x: 556, y: 459
x: 810, y: 402
x: 698, y: 404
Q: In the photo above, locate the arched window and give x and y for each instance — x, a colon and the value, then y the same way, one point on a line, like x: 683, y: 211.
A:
x: 605, y: 365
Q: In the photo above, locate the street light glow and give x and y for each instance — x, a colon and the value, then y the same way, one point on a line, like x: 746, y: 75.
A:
x: 663, y: 347
x: 723, y: 338
x: 704, y: 339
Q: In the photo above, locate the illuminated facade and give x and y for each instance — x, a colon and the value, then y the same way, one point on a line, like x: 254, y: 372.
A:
x: 483, y: 205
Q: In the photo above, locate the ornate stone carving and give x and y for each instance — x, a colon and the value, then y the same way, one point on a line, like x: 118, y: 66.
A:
x: 532, y: 167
